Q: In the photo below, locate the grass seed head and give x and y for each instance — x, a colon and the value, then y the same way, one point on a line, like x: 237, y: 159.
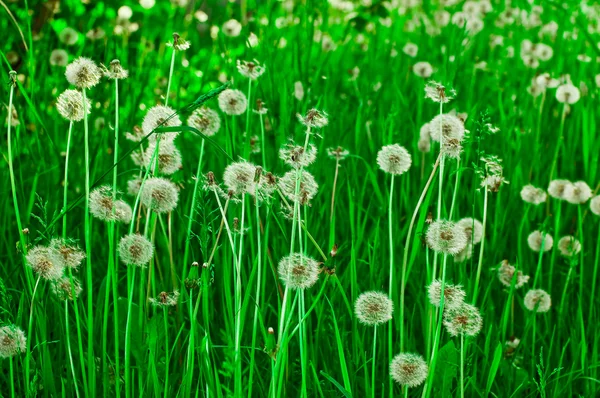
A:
x: 409, y: 369
x: 373, y: 308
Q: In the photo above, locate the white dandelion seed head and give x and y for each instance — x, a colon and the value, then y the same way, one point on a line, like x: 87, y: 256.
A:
x: 160, y: 195
x: 446, y: 237
x: 46, y: 262
x: 539, y: 241
x: 423, y: 69
x: 394, y: 159
x: 577, y: 193
x: 296, y: 156
x: 298, y: 271
x: 308, y: 186
x: 595, y: 205
x: 83, y: 73
x: 59, y: 57
x: 206, y: 120
x: 169, y: 157
x: 464, y: 320
x: 160, y: 116
x: 12, y: 341
x: 135, y: 250
x: 450, y: 126
x: 373, y: 308
x: 409, y: 369
x: 506, y: 274
x: 567, y: 94
x: 533, y: 195
x: 232, y: 102
x: 454, y: 295
x: 70, y: 105
x: 557, y: 188
x: 473, y: 228
x: 569, y: 246
x: 250, y: 69
x: 64, y: 289
x: 537, y: 300
x: 71, y: 255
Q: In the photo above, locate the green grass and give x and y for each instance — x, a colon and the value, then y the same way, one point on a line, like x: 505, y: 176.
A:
x: 217, y: 341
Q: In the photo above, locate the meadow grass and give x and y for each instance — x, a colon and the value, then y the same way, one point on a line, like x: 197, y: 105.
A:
x: 244, y: 275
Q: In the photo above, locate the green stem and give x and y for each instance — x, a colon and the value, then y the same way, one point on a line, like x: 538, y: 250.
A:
x: 238, y: 305
x: 257, y: 295
x: 128, y: 385
x: 192, y: 212
x: 65, y: 189
x: 559, y: 142
x: 262, y: 140
x: 462, y: 366
x: 247, y: 146
x: 166, y: 325
x: 12, y: 375
x: 170, y: 77
x: 481, y: 247
x: 390, y: 291
x: 68, y: 337
x: 374, y: 361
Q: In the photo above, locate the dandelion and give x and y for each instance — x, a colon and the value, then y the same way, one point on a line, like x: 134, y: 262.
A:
x: 233, y: 102
x: 595, y: 205
x: 446, y: 237
x: 232, y: 28
x: 83, y: 73
x: 160, y: 195
x: 465, y: 254
x: 450, y: 127
x: 115, y: 71
x: 160, y: 116
x: 101, y: 203
x: 409, y: 369
x: 394, y: 159
x: 65, y: 290
x: 338, y: 153
x: 46, y: 262
x: 533, y: 195
x: 537, y: 300
x: 577, y: 193
x: 438, y: 93
x: 569, y: 246
x: 298, y: 91
x: 133, y: 186
x: 206, y: 120
x: 165, y: 299
x: 96, y: 33
x: 454, y: 295
x: 169, y: 157
x: 297, y: 157
x: 70, y: 105
x: 71, y: 255
x: 308, y: 186
x: 464, y: 320
x: 239, y: 177
x: 136, y: 250
x: 298, y: 271
x: 424, y: 144
x: 539, y: 241
x: 506, y: 274
x: 557, y: 188
x: 410, y: 49
x: 12, y: 341
x: 68, y: 36
x: 178, y: 43
x: 423, y: 69
x: 251, y: 70
x: 567, y: 94
x: 373, y: 308
x: 314, y: 119
x: 123, y: 212
x: 473, y: 229
x: 59, y: 57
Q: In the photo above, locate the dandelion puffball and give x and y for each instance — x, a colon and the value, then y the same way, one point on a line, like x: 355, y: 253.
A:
x: 298, y: 271
x: 473, y: 228
x: 539, y: 241
x: 408, y: 369
x: 83, y: 73
x: 308, y: 186
x: 577, y: 193
x: 394, y: 159
x: 297, y: 157
x: 533, y: 195
x: 557, y: 188
x: 206, y: 120
x: 595, y: 205
x: 464, y: 320
x: 448, y: 126
x: 12, y: 341
x: 537, y: 300
x: 232, y: 102
x: 506, y: 274
x: 160, y: 116
x: 373, y: 308
x: 136, y: 250
x: 567, y: 94
x: 65, y: 289
x: 314, y: 118
x: 46, y: 262
x: 569, y: 246
x: 71, y: 255
x: 446, y: 237
x: 70, y: 105
x: 454, y: 295
x: 159, y: 194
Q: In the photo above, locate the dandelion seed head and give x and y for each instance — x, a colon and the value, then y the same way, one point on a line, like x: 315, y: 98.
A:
x: 308, y: 186
x: 165, y: 299
x: 46, y: 262
x: 450, y: 127
x: 454, y: 295
x: 59, y: 57
x: 394, y: 159
x: 506, y: 274
x: 206, y: 120
x: 465, y: 254
x: 179, y: 44
x: 423, y: 69
x: 437, y: 92
x: 123, y: 212
x: 136, y: 250
x: 169, y: 157
x: 409, y: 369
x: 252, y: 70
x: 410, y: 49
x: 65, y: 290
x: 464, y: 320
x: 115, y: 71
x: 296, y: 156
x: 533, y: 195
x: 595, y: 205
x: 159, y: 194
x: 232, y: 28
x: 232, y: 102
x: 446, y: 237
x: 70, y: 105
x: 567, y: 94
x: 314, y: 118
x: 536, y: 239
x: 101, y: 203
x: 338, y: 153
x: 569, y: 246
x: 68, y: 36
x: 71, y: 255
x: 373, y: 308
x: 577, y: 193
x: 83, y: 73
x: 537, y: 300
x: 556, y: 189
x: 298, y: 91
x: 473, y: 229
x: 298, y: 271
x: 12, y: 341
x: 160, y: 116
x: 133, y: 186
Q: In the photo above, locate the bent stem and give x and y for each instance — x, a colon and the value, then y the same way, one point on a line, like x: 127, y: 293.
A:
x: 481, y: 247
x: 390, y: 291
x: 66, y: 183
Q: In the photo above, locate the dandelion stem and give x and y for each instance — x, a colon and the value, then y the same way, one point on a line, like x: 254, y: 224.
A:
x: 247, y: 148
x: 482, y: 246
x: 560, y: 141
x: 593, y: 297
x: 170, y: 77
x: 128, y: 385
x: 29, y: 333
x: 462, y: 365
x: 257, y: 294
x: 391, y: 255
x: 68, y: 337
x: 238, y: 305
x: 12, y: 376
x: 374, y: 361
x: 66, y: 183
x: 262, y: 140
x: 192, y: 212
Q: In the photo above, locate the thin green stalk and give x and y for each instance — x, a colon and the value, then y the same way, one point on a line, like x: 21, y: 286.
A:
x: 247, y: 146
x: 302, y: 345
x: 192, y: 212
x: 238, y: 305
x: 68, y: 337
x: 593, y: 297
x: 170, y: 77
x: 167, y: 359
x: 462, y: 366
x: 391, y: 282
x: 560, y: 140
x: 130, y: 289
x: 481, y: 247
x: 262, y: 140
x: 12, y: 374
x: 455, y: 190
x: 374, y: 362
x: 406, y: 247
x: 29, y: 334
x: 257, y: 294
x: 88, y: 251
x: 65, y: 188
